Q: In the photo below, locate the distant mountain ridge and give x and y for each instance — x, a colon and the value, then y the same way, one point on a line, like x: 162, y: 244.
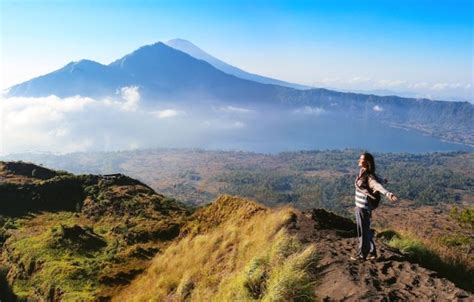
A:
x: 84, y: 77
x: 196, y: 52
x: 159, y: 71
x: 164, y: 73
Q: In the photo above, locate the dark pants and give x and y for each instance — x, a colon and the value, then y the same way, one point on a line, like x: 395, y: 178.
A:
x: 366, y: 240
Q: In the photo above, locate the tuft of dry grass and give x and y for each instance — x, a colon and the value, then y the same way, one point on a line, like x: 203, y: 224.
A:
x: 225, y: 209
x: 235, y: 250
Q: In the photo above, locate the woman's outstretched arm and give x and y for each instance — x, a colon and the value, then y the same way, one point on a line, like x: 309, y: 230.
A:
x: 376, y: 186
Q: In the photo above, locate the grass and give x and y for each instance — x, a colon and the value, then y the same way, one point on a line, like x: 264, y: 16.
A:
x: 64, y: 252
x: 242, y: 253
x: 49, y: 266
x: 91, y: 253
x: 435, y: 255
x: 282, y: 272
x: 464, y: 217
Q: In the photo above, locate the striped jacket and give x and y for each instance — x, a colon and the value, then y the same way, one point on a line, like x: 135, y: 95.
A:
x: 362, y: 191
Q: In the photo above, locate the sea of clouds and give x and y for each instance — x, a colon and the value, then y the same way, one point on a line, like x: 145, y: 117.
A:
x: 125, y: 121
x: 121, y: 122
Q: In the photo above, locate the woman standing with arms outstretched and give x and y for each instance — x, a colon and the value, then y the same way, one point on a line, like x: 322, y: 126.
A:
x: 367, y: 187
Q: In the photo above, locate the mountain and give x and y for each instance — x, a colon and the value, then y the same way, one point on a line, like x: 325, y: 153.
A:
x: 85, y: 77
x: 196, y: 52
x: 159, y: 70
x: 166, y: 74
x: 165, y: 71
x: 122, y: 241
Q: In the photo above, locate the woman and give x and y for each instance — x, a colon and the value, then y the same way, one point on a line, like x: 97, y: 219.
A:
x: 367, y: 187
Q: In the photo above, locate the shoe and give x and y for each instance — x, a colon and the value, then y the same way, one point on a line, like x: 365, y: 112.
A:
x: 372, y: 257
x: 356, y: 258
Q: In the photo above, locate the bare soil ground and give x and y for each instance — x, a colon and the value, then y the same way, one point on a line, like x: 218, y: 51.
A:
x: 390, y: 277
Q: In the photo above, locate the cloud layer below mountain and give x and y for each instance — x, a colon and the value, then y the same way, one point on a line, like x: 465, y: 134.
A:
x: 124, y: 121
x: 61, y: 125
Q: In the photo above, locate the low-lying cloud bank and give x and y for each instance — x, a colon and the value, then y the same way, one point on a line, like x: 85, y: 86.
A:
x: 125, y: 122
x: 450, y: 91
x: 62, y: 125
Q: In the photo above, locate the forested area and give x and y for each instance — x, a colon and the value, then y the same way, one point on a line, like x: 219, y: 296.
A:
x: 305, y: 179
x: 424, y: 179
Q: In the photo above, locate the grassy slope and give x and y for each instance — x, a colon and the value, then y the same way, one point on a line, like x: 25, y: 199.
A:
x: 84, y: 254
x: 231, y: 249
x: 235, y: 250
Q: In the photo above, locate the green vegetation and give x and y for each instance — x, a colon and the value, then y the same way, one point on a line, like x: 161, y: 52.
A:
x: 304, y: 179
x: 79, y: 238
x: 465, y: 217
x: 281, y: 273
x: 46, y: 264
x: 458, y: 240
x: 325, y: 179
x: 87, y: 237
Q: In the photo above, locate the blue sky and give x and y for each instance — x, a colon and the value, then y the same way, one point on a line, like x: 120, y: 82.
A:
x: 418, y: 47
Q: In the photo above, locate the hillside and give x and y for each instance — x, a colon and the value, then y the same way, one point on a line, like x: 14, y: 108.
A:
x: 87, y: 237
x: 68, y: 237
x: 280, y: 255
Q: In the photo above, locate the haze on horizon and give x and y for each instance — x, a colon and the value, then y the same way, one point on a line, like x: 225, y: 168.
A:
x: 422, y: 48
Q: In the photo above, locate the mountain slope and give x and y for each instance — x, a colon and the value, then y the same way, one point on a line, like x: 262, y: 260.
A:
x: 262, y: 254
x: 125, y: 242
x: 159, y: 70
x: 196, y: 52
x: 162, y: 70
x: 246, y: 255
x: 393, y: 276
x: 85, y: 77
x: 71, y: 237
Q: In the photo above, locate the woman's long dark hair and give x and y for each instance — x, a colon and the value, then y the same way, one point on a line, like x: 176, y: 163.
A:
x: 369, y: 159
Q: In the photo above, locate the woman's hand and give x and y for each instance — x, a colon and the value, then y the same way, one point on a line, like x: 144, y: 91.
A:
x: 392, y: 197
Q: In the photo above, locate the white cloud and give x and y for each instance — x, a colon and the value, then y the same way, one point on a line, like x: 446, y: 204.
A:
x: 70, y: 124
x: 131, y: 95
x: 19, y: 112
x: 390, y: 83
x: 167, y: 113
x: 238, y: 124
x: 308, y: 110
x: 377, y: 108
x: 443, y: 86
x: 75, y: 124
x: 404, y: 88
x: 359, y: 79
x: 418, y: 85
x: 60, y: 131
x: 439, y: 86
x: 233, y: 109
x: 223, y: 124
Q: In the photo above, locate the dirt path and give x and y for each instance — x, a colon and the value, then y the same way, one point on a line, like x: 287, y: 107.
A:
x: 391, y: 277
